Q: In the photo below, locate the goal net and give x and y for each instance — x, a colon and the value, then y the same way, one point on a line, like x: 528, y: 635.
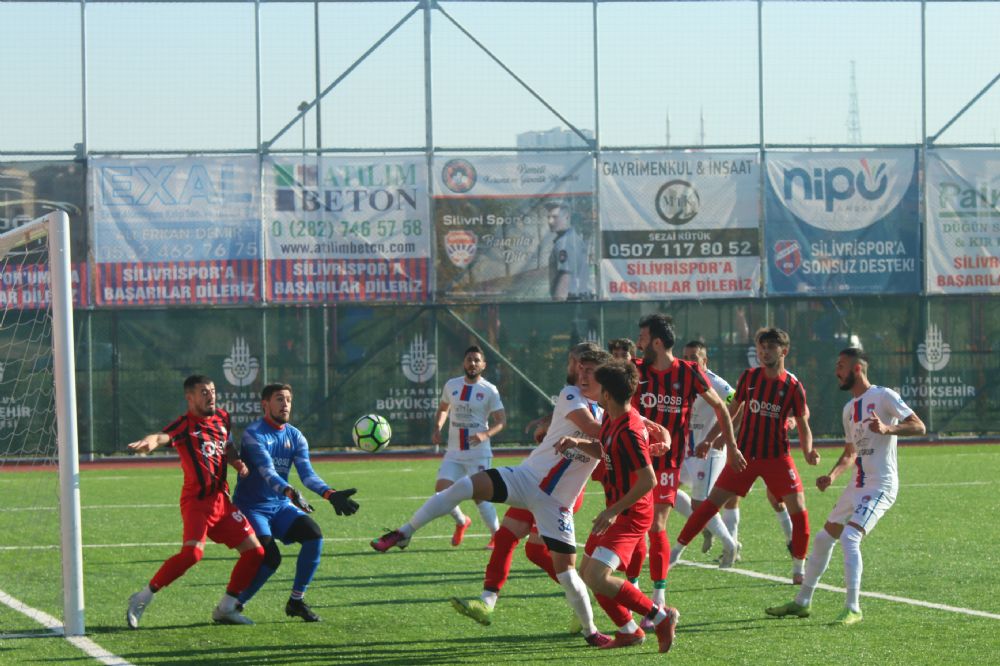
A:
x: 39, y: 517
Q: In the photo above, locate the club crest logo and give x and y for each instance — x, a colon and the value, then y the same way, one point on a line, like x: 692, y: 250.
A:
x: 787, y: 256
x: 677, y: 202
x: 460, y: 245
x: 418, y: 363
x: 240, y: 368
x: 933, y: 353
x: 459, y: 175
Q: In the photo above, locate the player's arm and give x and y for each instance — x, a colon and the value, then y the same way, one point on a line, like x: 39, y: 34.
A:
x: 340, y: 500
x: 498, y: 420
x: 538, y: 427
x: 806, y: 439
x: 845, y: 460
x: 561, y: 291
x: 258, y: 459
x: 659, y: 437
x: 591, y: 447
x: 440, y: 416
x: 644, y: 482
x: 149, y: 443
x: 233, y: 458
x: 585, y: 422
x: 911, y: 425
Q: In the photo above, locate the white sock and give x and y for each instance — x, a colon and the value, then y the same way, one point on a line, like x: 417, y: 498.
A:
x: 438, y: 505
x: 659, y: 596
x: 682, y: 504
x: 850, y: 541
x: 630, y: 628
x: 227, y: 604
x: 489, y: 514
x: 798, y: 566
x: 719, y: 530
x: 731, y: 517
x: 578, y: 599
x: 786, y: 523
x: 489, y: 598
x: 457, y: 514
x: 819, y: 560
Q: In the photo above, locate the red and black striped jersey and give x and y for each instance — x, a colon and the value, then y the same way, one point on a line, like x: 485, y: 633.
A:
x: 666, y: 397
x: 626, y: 451
x: 767, y: 403
x: 201, y: 445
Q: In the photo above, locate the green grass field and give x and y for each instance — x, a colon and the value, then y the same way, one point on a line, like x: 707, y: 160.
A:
x: 939, y: 544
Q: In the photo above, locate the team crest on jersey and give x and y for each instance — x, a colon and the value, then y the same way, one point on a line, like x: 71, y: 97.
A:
x: 480, y: 397
x: 787, y: 256
x: 210, y: 449
x: 460, y: 245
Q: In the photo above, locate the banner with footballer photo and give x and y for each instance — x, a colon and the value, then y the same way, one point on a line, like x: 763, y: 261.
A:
x: 515, y: 227
x: 346, y: 229
x: 176, y: 231
x: 679, y: 225
x: 29, y: 190
x: 842, y: 223
x: 963, y: 222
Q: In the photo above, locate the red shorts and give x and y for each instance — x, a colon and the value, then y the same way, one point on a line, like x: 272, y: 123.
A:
x: 525, y: 516
x: 779, y: 474
x: 216, y: 518
x: 665, y: 490
x: 622, y: 537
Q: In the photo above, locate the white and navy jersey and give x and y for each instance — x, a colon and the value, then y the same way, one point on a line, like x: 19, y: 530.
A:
x: 876, y: 460
x: 270, y: 451
x: 563, y: 475
x: 468, y: 414
x: 703, y: 417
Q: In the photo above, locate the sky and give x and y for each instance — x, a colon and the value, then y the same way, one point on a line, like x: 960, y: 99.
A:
x: 181, y: 76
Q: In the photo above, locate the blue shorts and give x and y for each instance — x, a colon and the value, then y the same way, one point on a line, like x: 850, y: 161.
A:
x: 272, y: 519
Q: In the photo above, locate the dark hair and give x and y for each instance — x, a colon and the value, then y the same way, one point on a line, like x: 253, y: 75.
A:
x: 579, y: 349
x: 858, y: 355
x: 194, y: 380
x: 660, y: 327
x: 696, y: 344
x: 773, y: 334
x: 271, y: 389
x: 623, y: 344
x: 474, y: 349
x: 619, y: 378
x: 595, y: 356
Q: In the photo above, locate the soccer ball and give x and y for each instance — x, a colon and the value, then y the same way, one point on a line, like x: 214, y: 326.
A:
x: 371, y: 433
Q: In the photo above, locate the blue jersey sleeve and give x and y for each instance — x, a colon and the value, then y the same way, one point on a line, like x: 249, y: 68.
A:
x: 259, y: 460
x: 310, y: 479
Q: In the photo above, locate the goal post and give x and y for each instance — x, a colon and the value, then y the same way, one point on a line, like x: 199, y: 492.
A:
x: 53, y: 229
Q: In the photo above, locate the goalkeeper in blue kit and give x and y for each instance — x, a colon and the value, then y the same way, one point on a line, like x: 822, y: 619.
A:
x: 270, y: 446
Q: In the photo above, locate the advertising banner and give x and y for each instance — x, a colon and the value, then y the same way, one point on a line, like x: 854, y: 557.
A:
x: 29, y: 190
x: 679, y: 225
x: 346, y: 229
x: 842, y: 223
x: 515, y: 227
x: 963, y: 222
x: 176, y: 231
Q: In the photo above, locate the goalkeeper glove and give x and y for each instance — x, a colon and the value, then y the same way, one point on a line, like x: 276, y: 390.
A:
x: 342, y: 502
x: 297, y: 499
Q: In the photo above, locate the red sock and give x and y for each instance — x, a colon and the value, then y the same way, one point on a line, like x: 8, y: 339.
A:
x: 800, y: 534
x: 504, y: 543
x: 175, y: 567
x: 618, y: 613
x: 633, y: 599
x: 539, y: 554
x: 244, y: 570
x: 696, y: 523
x: 659, y: 555
x: 634, y: 567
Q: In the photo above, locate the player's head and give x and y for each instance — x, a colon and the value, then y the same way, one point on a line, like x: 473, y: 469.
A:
x: 474, y: 362
x: 652, y: 328
x: 622, y: 348
x: 772, y: 347
x: 852, y: 364
x: 696, y: 352
x: 276, y: 402
x: 199, y: 391
x: 574, y: 357
x: 586, y: 364
x: 618, y: 380
x: 557, y: 215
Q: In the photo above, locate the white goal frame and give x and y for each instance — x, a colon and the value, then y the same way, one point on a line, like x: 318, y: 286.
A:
x: 55, y: 226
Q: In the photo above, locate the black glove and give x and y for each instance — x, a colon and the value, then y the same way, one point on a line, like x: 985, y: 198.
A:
x: 342, y: 502
x: 297, y: 499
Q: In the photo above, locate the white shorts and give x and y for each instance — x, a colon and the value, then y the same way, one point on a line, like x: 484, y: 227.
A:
x: 553, y: 519
x: 453, y: 470
x: 862, y: 506
x: 700, y: 474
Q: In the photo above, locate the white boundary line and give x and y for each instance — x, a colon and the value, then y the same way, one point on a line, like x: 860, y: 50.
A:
x: 831, y: 588
x: 83, y: 643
